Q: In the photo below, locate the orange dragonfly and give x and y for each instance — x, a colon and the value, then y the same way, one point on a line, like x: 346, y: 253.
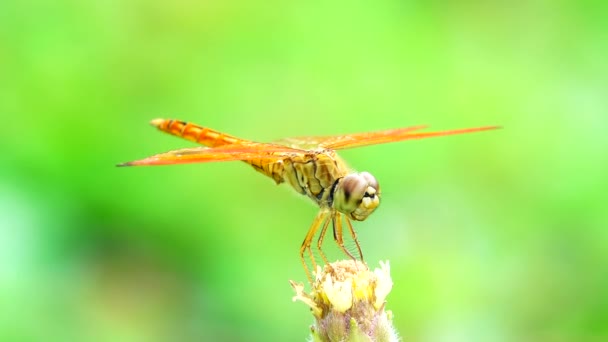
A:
x: 310, y: 165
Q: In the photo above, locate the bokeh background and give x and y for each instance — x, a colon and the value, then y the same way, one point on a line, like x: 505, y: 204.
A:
x: 496, y: 236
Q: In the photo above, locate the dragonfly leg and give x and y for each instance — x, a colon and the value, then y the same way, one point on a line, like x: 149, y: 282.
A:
x: 319, y: 219
x: 354, y: 235
x: 312, y: 259
x: 320, y: 241
x: 338, y: 237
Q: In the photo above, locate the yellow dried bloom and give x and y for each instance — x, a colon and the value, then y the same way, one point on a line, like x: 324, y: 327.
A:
x: 347, y: 301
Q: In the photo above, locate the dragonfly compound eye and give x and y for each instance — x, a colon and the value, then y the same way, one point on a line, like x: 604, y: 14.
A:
x: 357, y: 195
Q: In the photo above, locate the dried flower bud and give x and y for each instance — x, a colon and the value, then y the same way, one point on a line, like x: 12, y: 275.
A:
x: 347, y: 301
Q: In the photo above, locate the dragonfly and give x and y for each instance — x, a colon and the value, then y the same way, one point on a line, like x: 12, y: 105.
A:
x: 310, y: 165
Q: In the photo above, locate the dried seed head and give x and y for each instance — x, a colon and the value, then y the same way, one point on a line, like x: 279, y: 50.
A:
x: 347, y: 301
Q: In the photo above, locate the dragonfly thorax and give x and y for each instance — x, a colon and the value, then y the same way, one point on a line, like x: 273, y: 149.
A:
x: 357, y: 195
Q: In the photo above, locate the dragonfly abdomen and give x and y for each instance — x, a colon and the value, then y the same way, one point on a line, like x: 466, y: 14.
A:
x: 198, y: 134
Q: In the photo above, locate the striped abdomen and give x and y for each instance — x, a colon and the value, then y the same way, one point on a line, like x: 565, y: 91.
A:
x: 201, y: 135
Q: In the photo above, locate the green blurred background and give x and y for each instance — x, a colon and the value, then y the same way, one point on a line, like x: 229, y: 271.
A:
x: 496, y: 236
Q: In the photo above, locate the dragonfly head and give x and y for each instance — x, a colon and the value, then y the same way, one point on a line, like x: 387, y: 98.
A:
x: 357, y: 195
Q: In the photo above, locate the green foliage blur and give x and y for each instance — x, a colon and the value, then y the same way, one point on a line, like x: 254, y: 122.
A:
x: 494, y: 236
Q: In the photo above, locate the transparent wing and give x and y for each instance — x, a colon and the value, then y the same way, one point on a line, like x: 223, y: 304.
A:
x: 310, y: 142
x: 393, y: 135
x: 252, y: 151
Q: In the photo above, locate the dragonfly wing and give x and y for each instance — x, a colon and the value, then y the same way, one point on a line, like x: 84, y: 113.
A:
x: 311, y: 142
x: 305, y: 143
x: 393, y: 135
x: 258, y: 151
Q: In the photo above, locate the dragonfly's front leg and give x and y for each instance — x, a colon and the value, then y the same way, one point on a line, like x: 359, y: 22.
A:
x: 339, y: 237
x: 321, y: 217
x: 354, y: 235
